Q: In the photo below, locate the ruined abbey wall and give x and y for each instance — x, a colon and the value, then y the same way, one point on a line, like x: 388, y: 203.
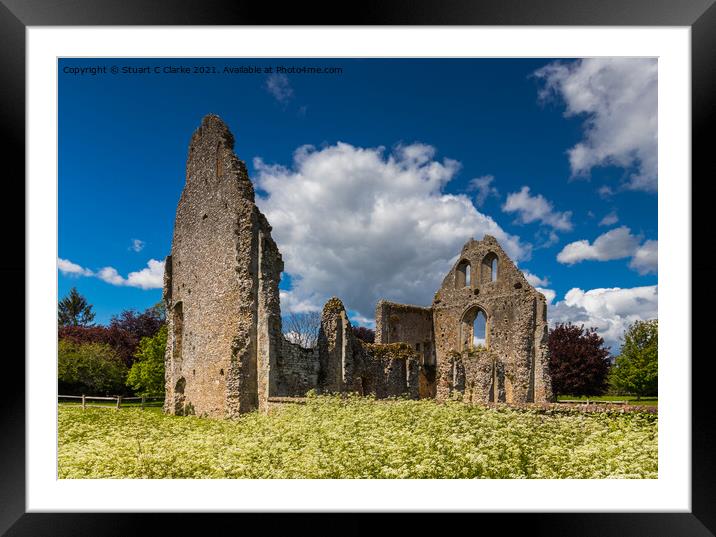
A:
x: 408, y: 324
x: 512, y: 366
x: 296, y: 370
x: 221, y: 286
x: 516, y: 329
x: 226, y: 353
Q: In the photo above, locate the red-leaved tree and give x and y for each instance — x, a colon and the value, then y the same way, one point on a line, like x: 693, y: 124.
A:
x: 364, y: 333
x: 123, y: 333
x: 578, y: 362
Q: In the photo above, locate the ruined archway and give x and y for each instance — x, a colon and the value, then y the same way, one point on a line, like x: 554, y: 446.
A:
x: 474, y: 328
x: 463, y: 274
x: 490, y: 268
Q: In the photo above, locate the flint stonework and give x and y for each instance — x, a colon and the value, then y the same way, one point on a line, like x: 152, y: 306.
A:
x: 226, y: 353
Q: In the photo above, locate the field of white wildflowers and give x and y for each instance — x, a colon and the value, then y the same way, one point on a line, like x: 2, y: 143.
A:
x: 359, y: 438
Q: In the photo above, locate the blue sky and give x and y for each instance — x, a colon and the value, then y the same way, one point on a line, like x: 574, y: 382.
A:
x: 580, y: 135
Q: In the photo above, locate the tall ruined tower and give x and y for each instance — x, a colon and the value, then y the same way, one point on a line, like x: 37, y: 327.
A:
x: 220, y: 287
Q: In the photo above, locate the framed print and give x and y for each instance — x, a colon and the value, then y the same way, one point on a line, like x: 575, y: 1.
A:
x: 347, y: 258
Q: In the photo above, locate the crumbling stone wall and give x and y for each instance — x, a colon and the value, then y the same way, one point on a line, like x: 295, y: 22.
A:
x: 408, y: 324
x: 297, y: 370
x: 335, y: 349
x: 412, y: 325
x: 226, y: 353
x: 221, y: 286
x: 347, y: 364
x: 390, y: 370
x: 516, y: 328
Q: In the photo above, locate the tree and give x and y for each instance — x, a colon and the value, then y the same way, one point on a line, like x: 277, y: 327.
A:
x: 302, y: 328
x: 123, y: 334
x: 636, y: 369
x: 365, y: 334
x: 90, y: 369
x: 579, y: 361
x: 73, y: 310
x: 159, y: 311
x: 146, y: 377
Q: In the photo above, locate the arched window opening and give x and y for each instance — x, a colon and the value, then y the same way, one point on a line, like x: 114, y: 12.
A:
x: 462, y: 274
x: 489, y: 268
x: 479, y: 331
x: 474, y: 329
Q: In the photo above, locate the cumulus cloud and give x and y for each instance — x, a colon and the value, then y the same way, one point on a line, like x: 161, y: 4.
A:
x: 363, y: 225
x: 536, y: 209
x: 549, y: 294
x: 609, y: 310
x: 68, y: 268
x: 618, y: 243
x: 292, y: 303
x: 645, y: 259
x: 484, y: 188
x: 614, y: 244
x: 137, y: 245
x: 535, y: 280
x: 151, y: 277
x: 609, y: 219
x: 618, y: 98
x: 279, y: 87
x: 111, y: 276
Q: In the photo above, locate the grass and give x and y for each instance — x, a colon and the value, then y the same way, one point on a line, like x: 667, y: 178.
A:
x: 631, y: 399
x: 358, y: 438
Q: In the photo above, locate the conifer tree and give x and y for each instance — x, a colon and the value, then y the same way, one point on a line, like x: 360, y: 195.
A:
x: 74, y: 310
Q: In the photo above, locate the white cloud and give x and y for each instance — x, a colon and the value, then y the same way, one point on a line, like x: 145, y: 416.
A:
x: 110, y: 275
x: 359, y: 320
x: 137, y: 245
x: 291, y: 303
x: 605, y: 192
x: 362, y: 225
x: 609, y: 310
x: 549, y: 294
x: 484, y: 188
x: 151, y: 277
x: 545, y: 238
x: 614, y: 244
x: 618, y: 243
x: 609, y: 219
x: 279, y: 86
x: 618, y: 97
x: 536, y: 209
x: 645, y: 259
x: 68, y: 268
x: 535, y: 280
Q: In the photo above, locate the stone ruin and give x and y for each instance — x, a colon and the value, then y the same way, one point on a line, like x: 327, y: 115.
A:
x: 226, y: 353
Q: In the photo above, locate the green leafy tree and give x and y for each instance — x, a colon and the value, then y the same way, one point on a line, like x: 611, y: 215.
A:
x: 74, y: 310
x: 636, y: 369
x: 90, y: 369
x: 147, y: 374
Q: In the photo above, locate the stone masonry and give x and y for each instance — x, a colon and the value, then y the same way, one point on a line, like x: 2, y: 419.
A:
x: 511, y: 365
x: 226, y: 353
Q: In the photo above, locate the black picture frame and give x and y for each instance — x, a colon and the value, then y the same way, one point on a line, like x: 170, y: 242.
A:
x: 699, y: 15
